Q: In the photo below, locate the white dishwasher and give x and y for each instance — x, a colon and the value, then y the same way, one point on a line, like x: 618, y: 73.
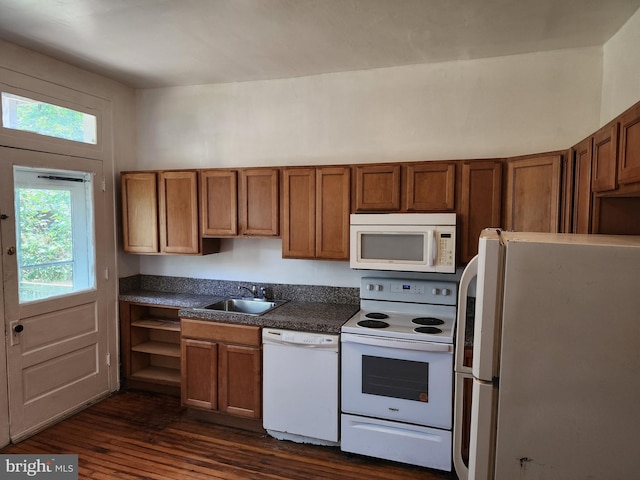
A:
x: 300, y: 386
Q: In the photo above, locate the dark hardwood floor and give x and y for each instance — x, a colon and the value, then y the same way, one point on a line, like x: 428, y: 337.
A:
x: 137, y: 435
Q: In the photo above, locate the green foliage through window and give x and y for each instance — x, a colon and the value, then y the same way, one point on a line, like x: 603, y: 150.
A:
x: 50, y: 120
x: 46, y: 236
x: 29, y: 115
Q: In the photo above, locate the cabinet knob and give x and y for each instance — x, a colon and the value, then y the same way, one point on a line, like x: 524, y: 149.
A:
x: 18, y: 328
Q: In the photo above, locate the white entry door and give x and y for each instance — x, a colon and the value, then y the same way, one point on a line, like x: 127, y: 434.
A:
x: 54, y: 309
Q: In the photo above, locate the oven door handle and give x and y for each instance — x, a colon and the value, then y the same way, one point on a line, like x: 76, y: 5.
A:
x: 397, y: 343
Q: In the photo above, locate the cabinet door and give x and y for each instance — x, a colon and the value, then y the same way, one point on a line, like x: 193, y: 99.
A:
x: 240, y: 373
x: 430, y: 187
x: 605, y: 156
x: 481, y: 203
x: 581, y: 154
x: 299, y: 210
x: 140, y: 212
x: 199, y: 374
x: 259, y: 203
x: 532, y: 197
x: 219, y: 209
x: 629, y: 157
x: 377, y: 188
x: 178, y: 207
x: 333, y: 196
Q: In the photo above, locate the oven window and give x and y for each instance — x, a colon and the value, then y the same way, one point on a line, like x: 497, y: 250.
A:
x: 390, y: 377
x: 382, y: 246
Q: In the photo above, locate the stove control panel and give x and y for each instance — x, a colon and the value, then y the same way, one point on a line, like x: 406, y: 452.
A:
x: 408, y: 290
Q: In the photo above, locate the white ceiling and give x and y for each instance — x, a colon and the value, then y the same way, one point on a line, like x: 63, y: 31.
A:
x: 151, y: 43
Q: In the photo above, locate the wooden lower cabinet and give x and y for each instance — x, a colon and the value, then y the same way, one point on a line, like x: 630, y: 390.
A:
x: 222, y: 368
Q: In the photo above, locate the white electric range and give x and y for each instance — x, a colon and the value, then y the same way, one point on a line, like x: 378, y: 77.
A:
x: 397, y: 372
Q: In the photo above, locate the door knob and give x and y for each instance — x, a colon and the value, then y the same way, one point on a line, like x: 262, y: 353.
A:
x: 11, y: 250
x: 18, y: 328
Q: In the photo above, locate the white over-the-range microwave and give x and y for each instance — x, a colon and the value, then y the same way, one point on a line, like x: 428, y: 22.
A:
x: 410, y: 242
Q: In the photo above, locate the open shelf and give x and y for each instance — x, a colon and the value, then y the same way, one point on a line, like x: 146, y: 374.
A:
x: 158, y: 348
x: 157, y: 324
x: 160, y: 375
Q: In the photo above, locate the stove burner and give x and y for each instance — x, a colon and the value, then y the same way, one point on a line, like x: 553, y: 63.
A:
x: 377, y: 316
x: 427, y: 321
x: 373, y: 324
x: 427, y: 330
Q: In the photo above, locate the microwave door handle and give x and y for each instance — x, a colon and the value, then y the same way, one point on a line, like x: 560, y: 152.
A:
x: 431, y: 248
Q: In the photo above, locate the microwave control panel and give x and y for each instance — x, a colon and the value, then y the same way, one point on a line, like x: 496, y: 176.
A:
x: 446, y: 249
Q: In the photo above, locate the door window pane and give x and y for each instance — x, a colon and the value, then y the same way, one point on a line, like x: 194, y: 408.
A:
x: 29, y: 115
x: 54, y: 233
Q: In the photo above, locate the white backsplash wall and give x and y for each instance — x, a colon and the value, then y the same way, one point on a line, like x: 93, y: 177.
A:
x: 253, y: 260
x: 485, y: 108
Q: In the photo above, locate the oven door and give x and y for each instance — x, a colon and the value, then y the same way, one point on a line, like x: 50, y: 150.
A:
x: 400, y: 380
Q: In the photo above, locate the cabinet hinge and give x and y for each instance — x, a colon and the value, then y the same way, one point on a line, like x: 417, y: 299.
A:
x: 108, y: 359
x: 104, y: 186
x: 106, y: 274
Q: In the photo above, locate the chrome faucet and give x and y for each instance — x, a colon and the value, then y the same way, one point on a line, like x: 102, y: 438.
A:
x: 253, y: 290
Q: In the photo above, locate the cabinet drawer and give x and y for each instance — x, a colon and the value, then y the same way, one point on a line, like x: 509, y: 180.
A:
x: 221, y: 332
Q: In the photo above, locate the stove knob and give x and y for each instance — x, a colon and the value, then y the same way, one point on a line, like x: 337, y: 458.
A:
x: 369, y: 286
x: 446, y: 291
x: 378, y: 288
x: 435, y: 291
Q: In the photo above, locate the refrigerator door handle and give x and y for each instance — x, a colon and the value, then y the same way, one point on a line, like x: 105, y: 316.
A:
x: 469, y: 273
x: 458, y: 420
x: 483, y: 430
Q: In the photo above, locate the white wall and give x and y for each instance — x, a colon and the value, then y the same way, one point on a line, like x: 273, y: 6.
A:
x: 621, y: 70
x: 470, y: 109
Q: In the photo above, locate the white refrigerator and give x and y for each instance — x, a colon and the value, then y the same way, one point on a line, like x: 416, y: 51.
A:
x: 556, y: 358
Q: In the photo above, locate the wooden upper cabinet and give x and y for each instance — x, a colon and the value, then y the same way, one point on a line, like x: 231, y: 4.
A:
x: 316, y: 213
x: 140, y: 212
x: 299, y: 212
x: 605, y: 157
x: 333, y: 196
x: 160, y: 213
x: 258, y: 202
x: 430, y: 187
x: 219, y: 197
x: 480, y: 204
x: 629, y: 157
x: 582, y: 158
x: 532, y: 193
x: 178, y: 211
x: 377, y: 188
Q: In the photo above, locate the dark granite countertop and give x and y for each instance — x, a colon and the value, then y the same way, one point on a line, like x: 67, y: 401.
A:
x: 324, y: 317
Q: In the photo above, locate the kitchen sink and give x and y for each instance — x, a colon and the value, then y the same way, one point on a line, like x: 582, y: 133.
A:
x: 245, y: 306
